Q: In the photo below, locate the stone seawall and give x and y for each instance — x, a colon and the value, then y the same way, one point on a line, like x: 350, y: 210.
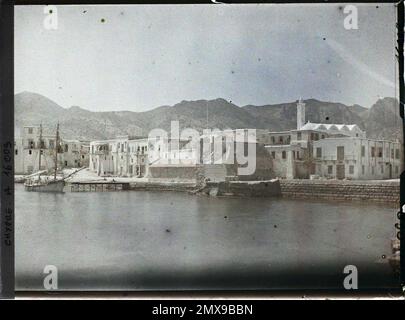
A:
x: 376, y: 191
x: 163, y: 186
x: 265, y: 188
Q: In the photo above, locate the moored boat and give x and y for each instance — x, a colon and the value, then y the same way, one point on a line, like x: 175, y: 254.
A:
x: 47, y: 186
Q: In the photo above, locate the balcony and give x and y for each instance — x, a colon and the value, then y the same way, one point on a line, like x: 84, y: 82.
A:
x: 334, y: 158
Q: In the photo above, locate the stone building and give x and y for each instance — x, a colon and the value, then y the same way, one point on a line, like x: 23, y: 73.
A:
x: 75, y: 153
x: 72, y: 153
x: 214, y: 157
x: 125, y: 156
x: 157, y: 158
x: 336, y: 151
x: 357, y: 158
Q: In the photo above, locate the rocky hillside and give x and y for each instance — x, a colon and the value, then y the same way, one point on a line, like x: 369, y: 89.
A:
x: 380, y: 121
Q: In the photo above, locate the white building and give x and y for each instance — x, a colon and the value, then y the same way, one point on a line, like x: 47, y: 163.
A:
x: 72, y: 153
x: 335, y: 151
x: 159, y: 158
x: 357, y: 158
x: 124, y: 156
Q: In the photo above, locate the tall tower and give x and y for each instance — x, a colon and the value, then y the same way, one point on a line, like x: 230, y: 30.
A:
x: 300, y: 114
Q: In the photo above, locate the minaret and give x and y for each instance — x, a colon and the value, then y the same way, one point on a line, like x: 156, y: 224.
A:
x: 300, y: 114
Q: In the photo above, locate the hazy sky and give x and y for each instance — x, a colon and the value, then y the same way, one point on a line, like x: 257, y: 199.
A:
x: 142, y: 57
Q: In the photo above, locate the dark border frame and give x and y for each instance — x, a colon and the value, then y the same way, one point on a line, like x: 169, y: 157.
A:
x: 7, y: 149
x: 400, y: 52
x: 7, y: 131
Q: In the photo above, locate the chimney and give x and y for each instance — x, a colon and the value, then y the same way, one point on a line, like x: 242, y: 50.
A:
x: 300, y: 114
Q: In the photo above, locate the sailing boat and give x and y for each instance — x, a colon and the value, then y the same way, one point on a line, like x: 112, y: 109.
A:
x: 39, y: 185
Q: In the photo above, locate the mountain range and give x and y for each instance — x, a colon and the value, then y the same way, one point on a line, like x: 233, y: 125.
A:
x: 381, y: 120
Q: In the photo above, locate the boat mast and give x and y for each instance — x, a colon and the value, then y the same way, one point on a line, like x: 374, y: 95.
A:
x: 40, y: 151
x: 56, y: 150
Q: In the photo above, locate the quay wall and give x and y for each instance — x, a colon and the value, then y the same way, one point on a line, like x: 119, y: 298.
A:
x: 265, y: 188
x: 359, y: 190
x: 172, y: 172
x: 163, y: 186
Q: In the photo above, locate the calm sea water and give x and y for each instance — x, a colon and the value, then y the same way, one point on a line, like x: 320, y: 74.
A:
x: 160, y: 240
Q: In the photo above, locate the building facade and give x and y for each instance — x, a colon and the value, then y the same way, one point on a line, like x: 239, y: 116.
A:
x: 357, y: 158
x: 333, y: 151
x: 158, y: 158
x: 124, y: 156
x: 71, y: 153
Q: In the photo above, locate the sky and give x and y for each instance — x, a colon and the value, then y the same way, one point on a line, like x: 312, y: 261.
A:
x: 136, y: 58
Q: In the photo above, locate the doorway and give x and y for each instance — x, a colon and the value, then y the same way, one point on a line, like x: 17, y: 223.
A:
x: 340, y: 171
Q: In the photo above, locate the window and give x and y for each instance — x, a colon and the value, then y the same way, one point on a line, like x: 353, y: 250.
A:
x: 293, y: 153
x: 66, y: 148
x: 323, y: 136
x: 380, y: 152
x: 280, y: 139
x: 273, y: 154
x: 396, y: 153
x: 363, y: 151
x: 318, y: 152
x: 373, y: 152
x: 16, y: 152
x: 30, y: 152
x: 66, y: 163
x: 372, y: 169
x: 340, y: 150
x: 284, y: 155
x: 396, y: 169
x: 351, y: 169
x: 316, y: 136
x: 299, y: 136
x: 273, y: 140
x: 30, y: 130
x: 363, y: 169
x: 382, y: 168
x: 330, y: 169
x: 392, y: 153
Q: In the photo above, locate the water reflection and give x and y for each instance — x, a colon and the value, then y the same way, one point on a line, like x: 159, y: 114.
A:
x: 135, y: 240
